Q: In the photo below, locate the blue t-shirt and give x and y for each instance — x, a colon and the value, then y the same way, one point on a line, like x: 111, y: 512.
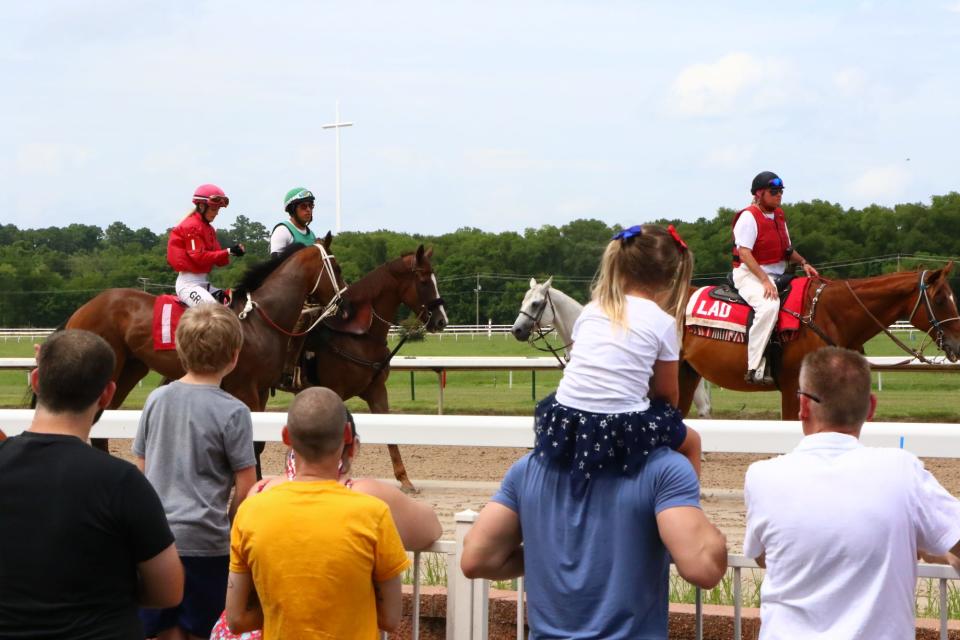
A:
x: 595, y: 565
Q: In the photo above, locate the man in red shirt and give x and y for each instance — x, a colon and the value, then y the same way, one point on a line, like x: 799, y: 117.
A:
x: 193, y: 249
x: 761, y: 251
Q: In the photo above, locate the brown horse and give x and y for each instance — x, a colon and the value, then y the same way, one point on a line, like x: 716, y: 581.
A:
x: 848, y: 313
x: 351, y: 357
x: 268, y: 300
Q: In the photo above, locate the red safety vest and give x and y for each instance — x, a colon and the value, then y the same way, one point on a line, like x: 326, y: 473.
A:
x: 772, y: 240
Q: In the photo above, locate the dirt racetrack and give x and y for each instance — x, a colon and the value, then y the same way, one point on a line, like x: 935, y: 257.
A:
x: 456, y: 478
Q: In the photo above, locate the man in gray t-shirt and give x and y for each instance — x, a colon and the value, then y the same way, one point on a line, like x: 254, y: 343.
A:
x: 195, y: 444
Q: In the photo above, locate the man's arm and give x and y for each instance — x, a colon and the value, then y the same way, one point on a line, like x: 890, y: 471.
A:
x: 389, y: 601
x: 244, y: 612
x: 808, y: 269
x: 492, y: 548
x: 244, y: 479
x: 160, y: 580
x: 697, y: 547
x: 141, y: 463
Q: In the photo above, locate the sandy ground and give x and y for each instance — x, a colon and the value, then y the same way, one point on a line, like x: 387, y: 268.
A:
x: 456, y: 478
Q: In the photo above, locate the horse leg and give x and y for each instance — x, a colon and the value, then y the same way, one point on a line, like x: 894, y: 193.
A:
x: 376, y: 398
x: 129, y: 372
x: 701, y: 398
x: 689, y: 381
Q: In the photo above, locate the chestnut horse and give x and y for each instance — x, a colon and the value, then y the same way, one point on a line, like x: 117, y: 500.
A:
x: 351, y: 357
x: 268, y: 299
x: 847, y: 313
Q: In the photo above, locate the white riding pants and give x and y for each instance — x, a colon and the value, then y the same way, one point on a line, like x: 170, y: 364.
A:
x: 195, y: 289
x: 765, y: 313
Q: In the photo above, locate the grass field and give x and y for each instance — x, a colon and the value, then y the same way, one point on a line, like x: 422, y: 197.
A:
x: 922, y: 397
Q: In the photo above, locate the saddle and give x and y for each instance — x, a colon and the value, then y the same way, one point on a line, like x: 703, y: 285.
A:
x: 167, y: 310
x: 728, y: 292
x: 357, y: 321
x: 720, y: 313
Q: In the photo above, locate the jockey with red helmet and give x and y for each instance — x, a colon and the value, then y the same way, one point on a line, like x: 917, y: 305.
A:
x: 761, y: 251
x: 193, y: 249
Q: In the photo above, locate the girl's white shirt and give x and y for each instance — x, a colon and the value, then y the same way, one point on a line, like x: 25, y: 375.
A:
x: 610, y: 366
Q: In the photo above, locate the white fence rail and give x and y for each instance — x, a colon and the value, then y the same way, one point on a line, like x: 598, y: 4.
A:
x: 467, y: 600
x: 731, y: 436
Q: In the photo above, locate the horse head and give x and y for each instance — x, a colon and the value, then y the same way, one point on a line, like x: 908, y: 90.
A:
x: 535, y: 310
x: 940, y: 317
x: 424, y: 295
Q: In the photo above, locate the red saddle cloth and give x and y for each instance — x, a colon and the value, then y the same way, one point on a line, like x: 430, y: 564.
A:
x: 166, y: 314
x: 721, y: 320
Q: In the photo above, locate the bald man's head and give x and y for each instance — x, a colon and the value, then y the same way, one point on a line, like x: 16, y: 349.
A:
x: 315, y: 423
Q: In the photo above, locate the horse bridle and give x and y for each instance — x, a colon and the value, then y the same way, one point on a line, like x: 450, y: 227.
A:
x: 431, y: 306
x: 935, y: 324
x: 326, y: 260
x: 541, y: 334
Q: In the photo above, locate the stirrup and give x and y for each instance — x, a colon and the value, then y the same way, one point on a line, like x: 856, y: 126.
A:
x: 763, y: 379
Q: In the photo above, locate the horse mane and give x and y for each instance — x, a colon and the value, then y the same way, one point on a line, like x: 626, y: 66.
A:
x: 254, y: 276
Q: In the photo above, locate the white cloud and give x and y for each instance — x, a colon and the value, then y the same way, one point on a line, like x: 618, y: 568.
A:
x: 850, y: 81
x: 954, y: 8
x: 50, y: 158
x: 880, y: 183
x: 716, y: 88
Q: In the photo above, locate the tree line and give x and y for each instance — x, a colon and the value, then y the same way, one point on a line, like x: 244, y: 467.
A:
x: 45, y: 274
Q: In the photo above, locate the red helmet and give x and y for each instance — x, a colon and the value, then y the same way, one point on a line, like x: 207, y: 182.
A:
x: 212, y: 194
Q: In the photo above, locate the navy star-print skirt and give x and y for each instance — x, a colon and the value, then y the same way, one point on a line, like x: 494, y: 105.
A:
x: 594, y: 443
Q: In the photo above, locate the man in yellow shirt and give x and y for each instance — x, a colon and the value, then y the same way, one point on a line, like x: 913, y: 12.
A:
x: 312, y: 558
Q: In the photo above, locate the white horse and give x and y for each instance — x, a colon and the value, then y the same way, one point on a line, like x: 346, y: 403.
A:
x: 544, y: 306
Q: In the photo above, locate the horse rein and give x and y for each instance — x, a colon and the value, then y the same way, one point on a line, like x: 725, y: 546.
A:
x: 332, y: 307
x: 542, y: 335
x: 936, y: 324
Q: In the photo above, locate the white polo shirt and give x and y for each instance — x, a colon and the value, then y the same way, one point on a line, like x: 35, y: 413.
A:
x: 745, y: 235
x: 841, y: 524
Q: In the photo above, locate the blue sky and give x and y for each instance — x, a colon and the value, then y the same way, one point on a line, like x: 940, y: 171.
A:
x: 497, y: 115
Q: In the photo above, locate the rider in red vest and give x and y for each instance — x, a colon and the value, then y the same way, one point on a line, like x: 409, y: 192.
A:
x: 193, y: 249
x: 761, y: 251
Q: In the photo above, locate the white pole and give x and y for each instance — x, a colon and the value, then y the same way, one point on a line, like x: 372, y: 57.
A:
x: 336, y: 126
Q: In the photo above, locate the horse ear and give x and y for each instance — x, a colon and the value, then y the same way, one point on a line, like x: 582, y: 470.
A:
x: 533, y: 282
x: 327, y: 239
x: 947, y: 268
x: 419, y: 254
x: 429, y: 253
x: 547, y: 283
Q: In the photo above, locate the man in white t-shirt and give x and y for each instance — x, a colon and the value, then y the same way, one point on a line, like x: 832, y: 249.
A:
x: 839, y: 525
x: 761, y: 250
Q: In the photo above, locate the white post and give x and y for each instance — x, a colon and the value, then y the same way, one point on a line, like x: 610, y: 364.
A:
x: 336, y: 126
x: 468, y: 598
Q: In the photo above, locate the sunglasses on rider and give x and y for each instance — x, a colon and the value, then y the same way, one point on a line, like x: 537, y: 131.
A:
x: 775, y: 191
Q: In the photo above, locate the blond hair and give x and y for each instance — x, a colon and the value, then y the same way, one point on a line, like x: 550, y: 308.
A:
x: 208, y: 336
x: 653, y: 261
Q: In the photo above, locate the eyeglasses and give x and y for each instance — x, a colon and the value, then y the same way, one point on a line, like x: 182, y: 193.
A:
x: 775, y: 191
x: 626, y: 234
x: 217, y: 201
x: 808, y: 395
x: 306, y: 205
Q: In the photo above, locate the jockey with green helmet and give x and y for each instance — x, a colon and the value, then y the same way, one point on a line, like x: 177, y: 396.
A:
x: 298, y: 203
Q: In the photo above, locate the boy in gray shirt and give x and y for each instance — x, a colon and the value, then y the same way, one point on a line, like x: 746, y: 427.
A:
x: 195, y: 443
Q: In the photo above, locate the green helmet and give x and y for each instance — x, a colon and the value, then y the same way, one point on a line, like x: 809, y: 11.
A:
x: 294, y: 197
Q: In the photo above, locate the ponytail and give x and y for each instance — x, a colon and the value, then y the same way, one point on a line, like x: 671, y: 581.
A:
x: 607, y: 289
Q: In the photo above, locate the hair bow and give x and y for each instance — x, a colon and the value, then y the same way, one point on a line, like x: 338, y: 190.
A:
x: 681, y: 245
x: 626, y: 234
